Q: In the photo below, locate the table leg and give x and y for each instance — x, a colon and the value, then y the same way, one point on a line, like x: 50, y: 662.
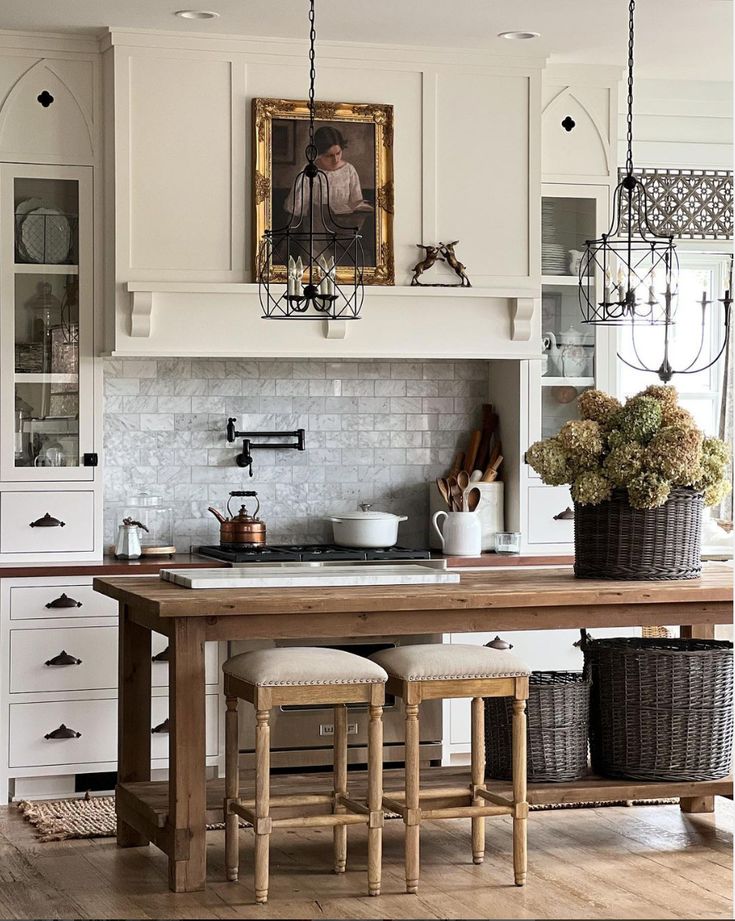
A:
x: 693, y: 804
x: 134, y: 714
x: 187, y: 863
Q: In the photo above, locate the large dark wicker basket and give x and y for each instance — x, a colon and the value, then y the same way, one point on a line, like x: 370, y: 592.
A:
x: 614, y: 541
x: 558, y: 725
x: 661, y: 709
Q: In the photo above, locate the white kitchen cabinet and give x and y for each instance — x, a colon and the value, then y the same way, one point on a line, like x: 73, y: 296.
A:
x: 58, y: 667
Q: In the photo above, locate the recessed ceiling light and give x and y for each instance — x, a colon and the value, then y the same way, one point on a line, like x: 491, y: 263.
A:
x: 196, y: 14
x: 518, y: 36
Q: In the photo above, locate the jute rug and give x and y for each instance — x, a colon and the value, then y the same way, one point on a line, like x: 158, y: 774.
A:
x: 94, y: 816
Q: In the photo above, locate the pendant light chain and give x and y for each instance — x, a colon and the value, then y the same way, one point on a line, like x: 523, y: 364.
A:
x: 629, y: 132
x: 311, y: 150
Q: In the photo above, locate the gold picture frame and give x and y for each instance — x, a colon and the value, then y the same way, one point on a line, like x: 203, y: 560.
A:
x: 369, y: 127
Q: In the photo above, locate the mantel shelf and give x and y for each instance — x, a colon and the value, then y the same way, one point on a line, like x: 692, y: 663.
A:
x: 522, y: 300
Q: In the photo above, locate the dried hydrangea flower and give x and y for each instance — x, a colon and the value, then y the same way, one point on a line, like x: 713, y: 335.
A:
x: 648, y: 490
x: 591, y: 488
x: 675, y: 453
x: 598, y: 406
x: 677, y: 415
x: 624, y: 462
x: 549, y: 459
x: 715, y: 493
x: 640, y: 418
x: 716, y: 450
x: 583, y: 441
x: 664, y: 393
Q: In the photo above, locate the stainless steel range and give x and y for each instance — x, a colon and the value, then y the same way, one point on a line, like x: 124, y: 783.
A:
x: 301, y: 735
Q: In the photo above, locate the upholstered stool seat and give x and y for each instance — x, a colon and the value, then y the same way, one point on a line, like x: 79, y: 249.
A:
x: 300, y: 666
x: 270, y: 678
x: 434, y: 671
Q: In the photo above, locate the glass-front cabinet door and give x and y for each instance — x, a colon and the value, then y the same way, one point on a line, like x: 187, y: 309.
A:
x: 46, y: 385
x: 575, y: 356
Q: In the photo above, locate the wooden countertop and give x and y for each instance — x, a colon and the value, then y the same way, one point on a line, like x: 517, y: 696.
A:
x: 481, y: 591
x: 108, y: 566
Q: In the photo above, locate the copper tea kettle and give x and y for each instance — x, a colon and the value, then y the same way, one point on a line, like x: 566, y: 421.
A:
x: 241, y: 530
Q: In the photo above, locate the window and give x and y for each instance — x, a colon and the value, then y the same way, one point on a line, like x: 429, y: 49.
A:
x: 700, y: 393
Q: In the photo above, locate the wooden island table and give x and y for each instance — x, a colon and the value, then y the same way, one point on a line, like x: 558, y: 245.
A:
x: 173, y: 815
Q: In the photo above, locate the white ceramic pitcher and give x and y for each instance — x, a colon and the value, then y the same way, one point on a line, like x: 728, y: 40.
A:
x: 461, y: 534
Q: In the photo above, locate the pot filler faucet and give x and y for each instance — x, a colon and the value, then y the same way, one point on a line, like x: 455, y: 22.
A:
x: 245, y: 458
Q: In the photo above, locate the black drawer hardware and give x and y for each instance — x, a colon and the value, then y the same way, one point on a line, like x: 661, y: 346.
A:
x: 64, y: 601
x: 497, y: 643
x: 48, y: 521
x: 90, y: 459
x: 566, y: 515
x: 162, y: 656
x: 161, y: 727
x: 63, y: 732
x: 63, y: 658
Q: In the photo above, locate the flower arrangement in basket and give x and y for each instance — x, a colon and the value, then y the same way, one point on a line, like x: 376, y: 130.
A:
x: 639, y: 475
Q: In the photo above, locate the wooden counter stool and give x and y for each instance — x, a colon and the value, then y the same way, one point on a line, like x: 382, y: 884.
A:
x: 270, y: 678
x: 435, y: 671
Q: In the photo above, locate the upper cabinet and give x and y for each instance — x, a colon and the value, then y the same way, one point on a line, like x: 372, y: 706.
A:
x: 466, y: 166
x: 579, y: 123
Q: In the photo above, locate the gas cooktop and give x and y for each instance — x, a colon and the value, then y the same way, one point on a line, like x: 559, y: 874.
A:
x: 310, y: 553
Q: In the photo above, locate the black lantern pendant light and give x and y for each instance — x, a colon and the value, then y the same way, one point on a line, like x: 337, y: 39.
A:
x: 322, y: 261
x: 636, y: 267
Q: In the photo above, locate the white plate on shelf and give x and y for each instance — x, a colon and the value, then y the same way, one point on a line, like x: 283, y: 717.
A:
x: 45, y: 236
x: 21, y: 210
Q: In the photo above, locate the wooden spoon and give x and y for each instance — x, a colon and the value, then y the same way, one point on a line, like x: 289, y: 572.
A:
x: 463, y: 480
x: 444, y: 490
x: 456, y: 494
x: 473, y: 499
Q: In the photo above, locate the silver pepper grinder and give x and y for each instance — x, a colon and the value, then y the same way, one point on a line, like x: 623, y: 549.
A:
x: 128, y: 540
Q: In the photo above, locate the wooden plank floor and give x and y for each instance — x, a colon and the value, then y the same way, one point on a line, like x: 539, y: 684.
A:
x: 613, y: 862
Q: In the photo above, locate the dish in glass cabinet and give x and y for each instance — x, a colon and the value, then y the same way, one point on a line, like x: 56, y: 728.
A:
x: 21, y: 210
x: 45, y: 236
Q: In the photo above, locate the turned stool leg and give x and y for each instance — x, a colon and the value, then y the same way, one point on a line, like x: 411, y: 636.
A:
x: 340, y: 785
x: 520, y: 806
x: 262, y: 803
x: 478, y: 777
x: 412, y: 816
x: 375, y: 798
x: 232, y: 790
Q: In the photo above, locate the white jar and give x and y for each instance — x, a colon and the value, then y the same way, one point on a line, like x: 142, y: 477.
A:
x: 461, y: 534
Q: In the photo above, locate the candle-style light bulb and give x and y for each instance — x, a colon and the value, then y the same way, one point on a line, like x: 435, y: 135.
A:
x: 652, y: 288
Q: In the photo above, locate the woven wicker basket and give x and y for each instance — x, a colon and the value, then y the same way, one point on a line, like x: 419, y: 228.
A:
x: 661, y: 709
x: 558, y: 726
x: 614, y: 541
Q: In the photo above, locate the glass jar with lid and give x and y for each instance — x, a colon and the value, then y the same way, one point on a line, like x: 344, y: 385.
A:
x: 158, y: 518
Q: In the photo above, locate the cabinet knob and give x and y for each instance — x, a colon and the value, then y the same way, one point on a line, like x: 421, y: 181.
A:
x: 63, y: 658
x: 499, y: 643
x: 64, y: 601
x: 162, y: 656
x: 566, y: 515
x: 48, y: 521
x: 63, y: 732
x: 161, y: 727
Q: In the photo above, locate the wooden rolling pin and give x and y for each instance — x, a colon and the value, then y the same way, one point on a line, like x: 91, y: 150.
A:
x: 456, y: 464
x: 472, y: 449
x: 492, y: 471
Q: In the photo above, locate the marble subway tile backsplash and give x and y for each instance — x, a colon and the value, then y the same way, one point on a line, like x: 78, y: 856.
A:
x: 376, y: 431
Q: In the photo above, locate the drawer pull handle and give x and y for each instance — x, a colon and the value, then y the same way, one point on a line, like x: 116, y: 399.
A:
x: 161, y: 727
x: 48, y: 521
x: 64, y: 601
x: 497, y: 643
x: 63, y: 732
x: 566, y: 515
x: 162, y: 656
x: 63, y: 658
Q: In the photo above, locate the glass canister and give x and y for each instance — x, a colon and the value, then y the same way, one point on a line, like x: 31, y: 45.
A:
x: 158, y: 517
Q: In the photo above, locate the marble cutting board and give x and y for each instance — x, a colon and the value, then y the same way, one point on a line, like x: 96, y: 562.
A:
x: 313, y: 577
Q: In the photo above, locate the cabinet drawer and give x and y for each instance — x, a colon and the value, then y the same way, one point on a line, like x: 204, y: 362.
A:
x: 31, y: 649
x: 159, y: 670
x: 30, y: 602
x: 96, y: 720
x: 159, y: 740
x: 544, y: 502
x: 19, y: 509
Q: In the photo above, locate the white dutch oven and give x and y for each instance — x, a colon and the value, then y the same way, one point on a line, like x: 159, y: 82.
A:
x: 366, y: 528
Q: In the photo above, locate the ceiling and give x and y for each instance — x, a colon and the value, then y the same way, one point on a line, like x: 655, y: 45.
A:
x: 675, y: 39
